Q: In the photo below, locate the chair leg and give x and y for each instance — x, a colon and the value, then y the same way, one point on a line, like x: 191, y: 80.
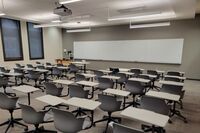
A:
x: 5, y: 123
x: 8, y: 127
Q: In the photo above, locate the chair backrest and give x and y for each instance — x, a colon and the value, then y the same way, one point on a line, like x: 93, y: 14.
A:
x: 30, y: 115
x: 52, y: 89
x: 60, y: 65
x: 48, y: 64
x: 79, y: 77
x: 66, y: 122
x: 56, y: 71
x: 152, y: 72
x: 173, y: 89
x: 173, y: 73
x: 18, y: 70
x: 135, y: 87
x: 18, y: 65
x: 122, y: 76
x: 30, y: 66
x: 33, y: 74
x: 172, y: 79
x: 114, y: 70
x: 143, y: 76
x: 73, y: 68
x: 136, y: 71
x: 109, y: 103
x: 37, y: 62
x: 105, y: 83
x: 77, y: 91
x: 2, y: 69
x: 98, y: 74
x: 7, y: 103
x: 154, y: 104
x: 3, y: 82
x: 118, y: 128
x: 40, y: 67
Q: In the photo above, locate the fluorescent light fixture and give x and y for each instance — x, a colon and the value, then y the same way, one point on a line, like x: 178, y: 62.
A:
x: 149, y: 25
x: 78, y: 30
x: 56, y: 21
x: 46, y: 25
x: 157, y: 15
x: 2, y: 14
x: 68, y: 1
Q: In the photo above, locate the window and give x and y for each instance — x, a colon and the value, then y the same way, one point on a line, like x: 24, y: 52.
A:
x: 35, y: 39
x: 11, y: 39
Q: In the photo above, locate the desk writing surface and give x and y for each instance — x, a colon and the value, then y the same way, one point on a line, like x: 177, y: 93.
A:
x: 146, y: 116
x: 80, y: 62
x: 150, y: 75
x: 63, y: 67
x: 88, y: 83
x: 127, y: 73
x: 140, y: 80
x: 82, y: 103
x: 106, y: 71
x: 141, y: 69
x: 41, y: 70
x: 171, y: 83
x: 110, y: 77
x: 88, y: 75
x: 25, y: 88
x: 117, y: 92
x: 63, y: 81
x: 163, y: 95
x: 51, y: 100
x: 124, y: 69
x: 12, y: 74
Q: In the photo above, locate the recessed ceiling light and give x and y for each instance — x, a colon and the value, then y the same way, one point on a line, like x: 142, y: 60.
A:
x: 56, y: 21
x: 2, y: 14
x: 68, y: 1
x: 78, y: 30
x: 149, y: 25
x: 156, y: 15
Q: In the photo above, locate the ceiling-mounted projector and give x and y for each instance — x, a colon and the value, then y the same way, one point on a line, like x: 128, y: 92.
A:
x: 62, y: 11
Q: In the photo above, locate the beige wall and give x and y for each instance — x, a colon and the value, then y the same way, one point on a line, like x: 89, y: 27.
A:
x: 52, y: 38
x: 187, y: 29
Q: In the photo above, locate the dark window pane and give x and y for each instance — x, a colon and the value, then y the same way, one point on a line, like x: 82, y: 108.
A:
x: 11, y: 38
x: 35, y: 42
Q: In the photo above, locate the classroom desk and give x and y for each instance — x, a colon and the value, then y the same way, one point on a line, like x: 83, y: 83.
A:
x: 118, y: 93
x: 12, y: 74
x: 163, y: 95
x: 42, y: 71
x: 146, y: 116
x: 140, y: 80
x: 124, y: 69
x: 111, y: 77
x: 89, y: 75
x: 63, y: 67
x: 150, y: 76
x: 84, y: 104
x: 63, y: 81
x: 141, y: 69
x: 26, y: 89
x: 90, y: 84
x: 84, y: 63
x: 170, y: 97
x: 51, y: 100
x: 171, y: 83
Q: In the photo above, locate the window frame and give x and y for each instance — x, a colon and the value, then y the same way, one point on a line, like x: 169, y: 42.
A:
x: 31, y: 58
x: 20, y: 42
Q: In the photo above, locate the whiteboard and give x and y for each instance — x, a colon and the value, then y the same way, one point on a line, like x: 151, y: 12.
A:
x: 152, y: 51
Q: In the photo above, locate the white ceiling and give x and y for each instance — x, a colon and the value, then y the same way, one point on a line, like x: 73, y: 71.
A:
x: 42, y: 10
